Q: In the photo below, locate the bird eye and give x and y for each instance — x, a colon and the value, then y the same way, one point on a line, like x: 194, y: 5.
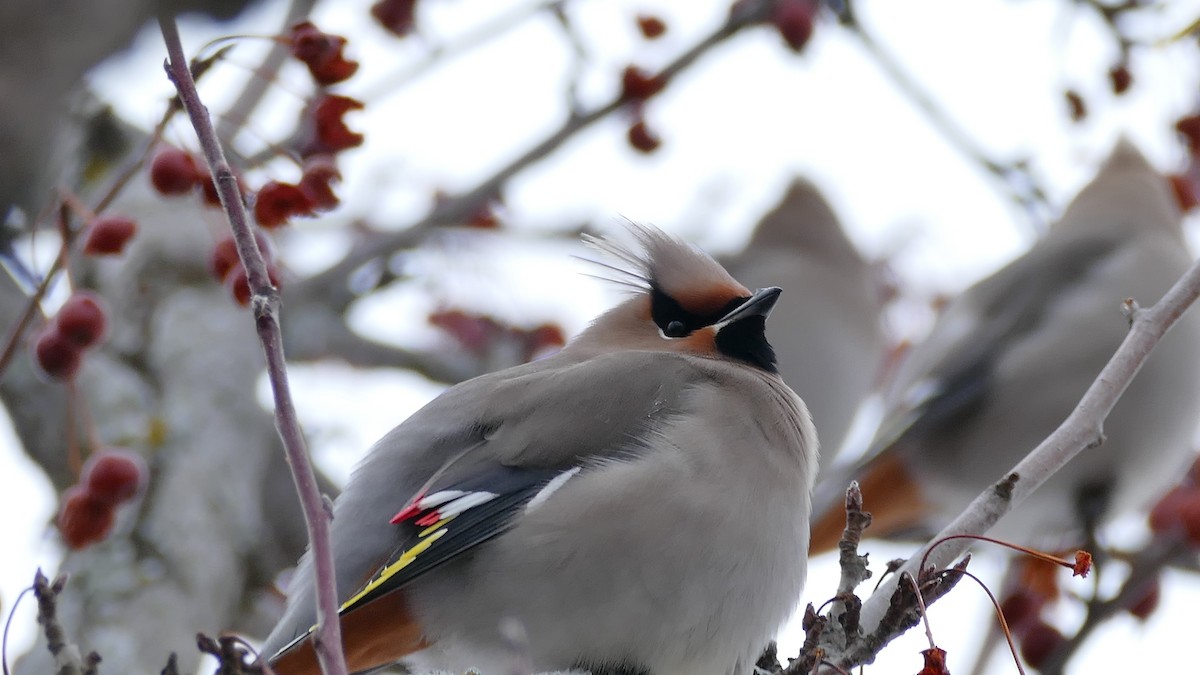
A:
x: 675, y: 329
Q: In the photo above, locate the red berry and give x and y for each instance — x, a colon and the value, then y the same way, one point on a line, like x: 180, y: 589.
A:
x: 794, y: 21
x: 82, y: 319
x: 1184, y: 191
x: 1021, y: 608
x: 472, y: 331
x: 114, y: 476
x: 56, y: 355
x: 1075, y: 106
x: 1143, y: 606
x: 1189, y: 128
x: 107, y: 235
x: 316, y: 182
x: 225, y: 255
x: 83, y: 518
x: 636, y: 85
x: 1174, y: 509
x: 325, y: 131
x: 322, y: 53
x: 1038, y: 642
x: 1120, y: 78
x: 238, y: 283
x: 223, y: 258
x: 277, y: 203
x: 173, y: 171
x: 651, y: 26
x: 642, y: 138
x: 395, y: 15
x: 208, y: 189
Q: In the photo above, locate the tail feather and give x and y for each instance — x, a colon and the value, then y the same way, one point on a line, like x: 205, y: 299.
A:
x: 377, y: 634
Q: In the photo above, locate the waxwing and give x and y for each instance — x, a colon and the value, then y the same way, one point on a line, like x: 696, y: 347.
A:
x: 1010, y: 358
x: 637, y: 503
x: 827, y: 327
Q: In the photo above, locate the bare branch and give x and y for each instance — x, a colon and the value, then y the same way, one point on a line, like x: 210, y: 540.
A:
x: 461, y: 206
x: 1081, y: 430
x: 265, y: 303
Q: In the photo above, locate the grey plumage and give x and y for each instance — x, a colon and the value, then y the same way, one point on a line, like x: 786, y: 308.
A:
x: 1010, y: 358
x: 828, y: 330
x: 672, y: 537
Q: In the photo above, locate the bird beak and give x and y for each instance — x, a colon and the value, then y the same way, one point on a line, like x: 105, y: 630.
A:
x: 759, y: 304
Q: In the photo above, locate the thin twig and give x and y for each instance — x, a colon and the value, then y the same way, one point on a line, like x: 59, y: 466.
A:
x: 256, y: 86
x: 265, y: 304
x: 461, y: 206
x: 1081, y: 430
x: 1015, y: 178
x: 7, y: 624
x: 394, y: 81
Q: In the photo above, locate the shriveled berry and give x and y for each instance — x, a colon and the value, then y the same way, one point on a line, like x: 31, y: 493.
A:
x: 651, y: 26
x: 320, y: 173
x: 173, y: 171
x: 114, y: 476
x: 84, y: 519
x: 1120, y: 78
x: 1189, y: 128
x: 322, y: 53
x: 57, y: 356
x: 397, y: 16
x: 637, y: 85
x: 1038, y: 642
x: 276, y: 203
x: 325, y: 131
x: 108, y: 235
x: 1076, y: 108
x: 82, y: 319
x: 642, y: 138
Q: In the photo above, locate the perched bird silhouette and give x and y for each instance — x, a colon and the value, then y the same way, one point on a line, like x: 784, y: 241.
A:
x: 1010, y: 358
x: 637, y: 503
x: 827, y: 328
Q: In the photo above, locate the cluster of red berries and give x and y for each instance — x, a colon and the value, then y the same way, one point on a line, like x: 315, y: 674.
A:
x: 475, y: 333
x: 79, y: 325
x: 111, y: 477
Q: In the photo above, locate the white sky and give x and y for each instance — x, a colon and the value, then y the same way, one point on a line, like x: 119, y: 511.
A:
x: 735, y: 128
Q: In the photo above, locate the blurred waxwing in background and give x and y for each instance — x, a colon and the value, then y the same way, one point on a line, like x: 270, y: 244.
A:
x: 637, y: 503
x: 827, y: 329
x: 1010, y: 358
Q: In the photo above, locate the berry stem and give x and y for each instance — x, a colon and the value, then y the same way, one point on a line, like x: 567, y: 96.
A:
x: 265, y: 303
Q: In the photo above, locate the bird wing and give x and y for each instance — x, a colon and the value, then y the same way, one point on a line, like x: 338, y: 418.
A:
x: 949, y: 376
x: 948, y: 379
x: 537, y: 429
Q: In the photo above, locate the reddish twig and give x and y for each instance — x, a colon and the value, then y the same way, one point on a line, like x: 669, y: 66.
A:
x: 265, y: 304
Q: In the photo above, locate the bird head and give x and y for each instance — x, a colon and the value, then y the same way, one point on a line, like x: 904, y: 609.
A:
x: 684, y: 301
